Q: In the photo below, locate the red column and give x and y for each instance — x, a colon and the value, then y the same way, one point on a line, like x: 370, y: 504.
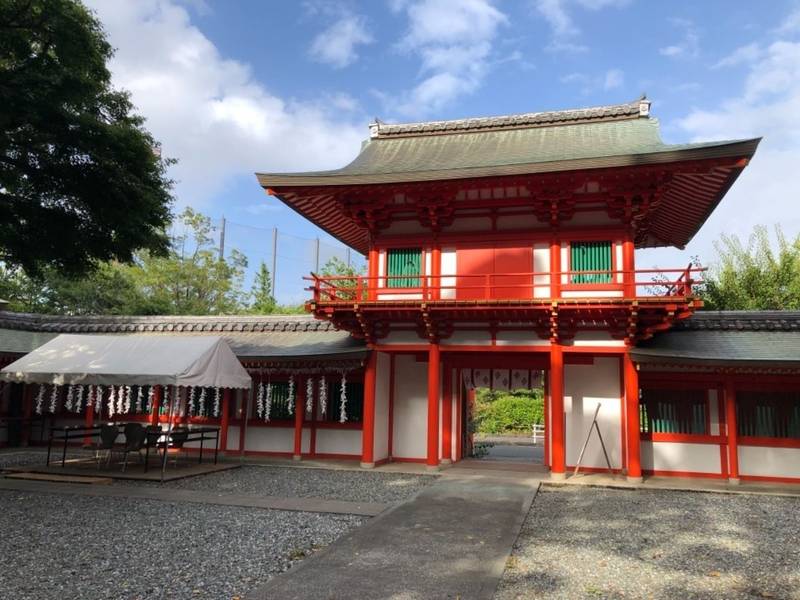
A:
x: 156, y: 404
x: 447, y: 416
x: 733, y: 434
x: 89, y: 416
x: 243, y: 421
x: 557, y: 450
x: 628, y: 268
x: 436, y: 271
x: 434, y: 364
x: 299, y: 412
x: 632, y: 419
x: 226, y: 416
x: 368, y: 421
x: 372, y: 273
x: 391, y: 405
x: 555, y: 268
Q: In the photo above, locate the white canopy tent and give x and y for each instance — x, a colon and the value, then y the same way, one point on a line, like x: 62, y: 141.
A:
x: 197, y: 361
x: 125, y: 360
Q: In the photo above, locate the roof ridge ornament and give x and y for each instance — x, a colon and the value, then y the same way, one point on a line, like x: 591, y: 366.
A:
x: 644, y: 106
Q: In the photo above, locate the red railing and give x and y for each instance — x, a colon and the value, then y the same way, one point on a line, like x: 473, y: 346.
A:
x: 492, y: 286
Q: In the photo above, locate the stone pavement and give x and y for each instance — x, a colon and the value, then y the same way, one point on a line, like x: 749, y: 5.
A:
x: 366, y: 509
x: 451, y: 541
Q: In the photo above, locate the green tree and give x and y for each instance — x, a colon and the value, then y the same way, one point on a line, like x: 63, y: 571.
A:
x: 80, y: 181
x: 755, y: 276
x: 347, y: 285
x: 263, y: 300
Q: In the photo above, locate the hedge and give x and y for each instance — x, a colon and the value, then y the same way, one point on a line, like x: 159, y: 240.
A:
x: 504, y: 412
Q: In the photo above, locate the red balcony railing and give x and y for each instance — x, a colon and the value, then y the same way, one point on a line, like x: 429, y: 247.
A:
x: 641, y: 283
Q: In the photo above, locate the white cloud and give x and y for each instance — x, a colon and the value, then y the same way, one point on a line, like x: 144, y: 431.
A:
x: 337, y: 44
x: 453, y: 41
x: 742, y: 55
x: 688, y: 46
x: 767, y: 192
x: 614, y: 78
x: 563, y: 27
x: 209, y: 112
x: 791, y: 24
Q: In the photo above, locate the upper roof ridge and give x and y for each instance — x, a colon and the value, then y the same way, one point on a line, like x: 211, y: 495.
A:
x: 630, y: 110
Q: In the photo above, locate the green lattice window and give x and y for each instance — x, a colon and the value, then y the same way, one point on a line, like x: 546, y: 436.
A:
x: 590, y: 256
x: 354, y: 405
x: 403, y: 266
x: 768, y: 414
x: 673, y: 411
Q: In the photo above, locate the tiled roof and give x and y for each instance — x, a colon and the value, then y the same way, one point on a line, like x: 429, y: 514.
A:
x: 728, y: 339
x: 582, y: 115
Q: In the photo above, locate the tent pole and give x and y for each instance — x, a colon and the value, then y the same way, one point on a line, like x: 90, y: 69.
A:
x: 245, y: 407
x: 169, y: 430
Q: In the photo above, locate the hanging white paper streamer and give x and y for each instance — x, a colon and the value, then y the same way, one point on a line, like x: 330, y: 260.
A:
x: 310, y: 395
x: 79, y: 401
x: 260, y: 400
x: 191, y: 402
x: 112, y: 402
x: 53, y: 399
x: 268, y: 401
x: 290, y: 399
x: 323, y: 395
x: 120, y: 400
x: 98, y: 399
x: 150, y: 393
x: 217, y: 401
x: 202, y: 408
x: 343, y: 399
x: 70, y: 396
x: 139, y: 397
x: 127, y: 399
x: 40, y: 399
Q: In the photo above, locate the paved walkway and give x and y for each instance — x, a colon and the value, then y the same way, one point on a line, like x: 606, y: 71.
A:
x: 367, y: 509
x: 451, y: 541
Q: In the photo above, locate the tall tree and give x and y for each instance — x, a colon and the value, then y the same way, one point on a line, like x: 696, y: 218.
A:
x: 755, y: 276
x: 80, y: 178
x: 262, y: 297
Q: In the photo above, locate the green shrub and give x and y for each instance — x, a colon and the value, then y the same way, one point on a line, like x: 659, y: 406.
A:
x: 505, y: 412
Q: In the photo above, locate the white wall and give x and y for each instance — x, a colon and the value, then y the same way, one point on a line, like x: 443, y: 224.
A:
x: 673, y: 456
x: 410, y: 408
x: 273, y: 439
x: 448, y: 265
x: 584, y: 387
x: 541, y: 264
x: 382, y: 380
x: 769, y: 462
x: 339, y: 441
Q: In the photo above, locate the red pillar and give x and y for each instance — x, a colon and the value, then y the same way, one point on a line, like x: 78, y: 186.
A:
x: 436, y: 272
x: 632, y: 426
x: 89, y: 416
x: 243, y: 419
x: 628, y: 268
x: 733, y: 434
x: 557, y: 450
x: 447, y: 416
x: 391, y: 405
x: 434, y: 364
x: 555, y: 268
x: 226, y: 416
x: 299, y: 412
x: 368, y: 421
x: 372, y: 273
x: 156, y: 404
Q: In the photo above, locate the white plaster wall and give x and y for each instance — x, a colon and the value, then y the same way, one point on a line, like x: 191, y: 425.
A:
x: 469, y: 338
x: 339, y: 441
x: 410, y: 408
x: 417, y: 296
x: 592, y: 294
x: 619, y: 259
x: 448, y: 268
x: 713, y: 413
x: 564, y: 263
x: 520, y: 338
x: 402, y: 337
x: 596, y: 338
x: 672, y: 456
x: 541, y: 264
x: 273, y: 439
x: 769, y: 462
x: 233, y: 437
x: 382, y: 378
x: 584, y: 387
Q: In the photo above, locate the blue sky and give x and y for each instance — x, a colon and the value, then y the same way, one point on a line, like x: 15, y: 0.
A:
x: 234, y: 87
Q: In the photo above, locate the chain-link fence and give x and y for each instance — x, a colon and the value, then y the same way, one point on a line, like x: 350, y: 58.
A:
x: 288, y: 257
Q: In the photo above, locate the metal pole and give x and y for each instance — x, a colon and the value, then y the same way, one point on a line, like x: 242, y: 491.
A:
x: 274, y: 260
x: 316, y: 257
x: 169, y: 430
x: 348, y: 256
x: 222, y: 240
x: 586, y: 443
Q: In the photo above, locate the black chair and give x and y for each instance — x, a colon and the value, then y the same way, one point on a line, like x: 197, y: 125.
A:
x: 135, y: 439
x: 178, y: 439
x: 108, y: 435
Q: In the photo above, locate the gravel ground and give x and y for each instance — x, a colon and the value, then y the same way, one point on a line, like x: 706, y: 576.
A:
x: 596, y: 543
x: 18, y: 457
x: 66, y: 547
x: 351, y: 486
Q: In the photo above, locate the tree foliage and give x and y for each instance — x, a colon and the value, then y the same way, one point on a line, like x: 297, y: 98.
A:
x: 262, y: 299
x: 755, y: 276
x: 80, y: 181
x: 507, y: 412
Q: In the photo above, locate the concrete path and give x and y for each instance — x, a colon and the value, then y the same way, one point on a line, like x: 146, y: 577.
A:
x: 451, y: 541
x: 366, y: 509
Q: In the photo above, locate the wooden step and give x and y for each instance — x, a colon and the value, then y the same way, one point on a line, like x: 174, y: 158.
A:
x: 59, y: 478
